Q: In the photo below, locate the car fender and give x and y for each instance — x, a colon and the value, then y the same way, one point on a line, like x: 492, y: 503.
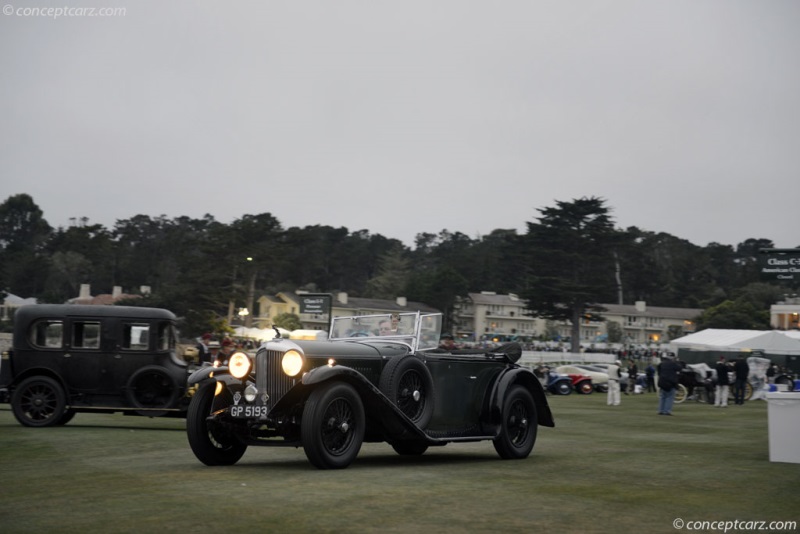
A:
x: 209, y: 372
x: 377, y: 405
x: 524, y: 377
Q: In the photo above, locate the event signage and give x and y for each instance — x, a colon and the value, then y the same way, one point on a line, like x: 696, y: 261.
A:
x: 316, y: 303
x: 779, y: 264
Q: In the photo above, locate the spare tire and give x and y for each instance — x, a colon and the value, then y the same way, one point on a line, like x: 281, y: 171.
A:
x: 408, y: 383
x: 151, y: 389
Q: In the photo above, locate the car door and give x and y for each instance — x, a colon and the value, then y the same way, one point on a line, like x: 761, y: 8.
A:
x: 85, y: 362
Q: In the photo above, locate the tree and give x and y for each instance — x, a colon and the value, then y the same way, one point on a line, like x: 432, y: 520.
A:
x: 23, y: 237
x: 287, y: 321
x: 392, y: 277
x: 570, y: 263
x: 739, y: 314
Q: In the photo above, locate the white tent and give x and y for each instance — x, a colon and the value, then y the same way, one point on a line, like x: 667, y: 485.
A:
x: 769, y: 341
x: 773, y: 342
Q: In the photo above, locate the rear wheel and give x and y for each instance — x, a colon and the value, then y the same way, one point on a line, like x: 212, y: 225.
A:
x: 210, y: 443
x: 153, y: 389
x: 519, y: 425
x: 39, y: 401
x: 585, y: 387
x: 681, y: 393
x: 332, y: 429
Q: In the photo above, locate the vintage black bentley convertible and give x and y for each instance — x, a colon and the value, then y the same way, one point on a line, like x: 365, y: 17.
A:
x: 377, y: 378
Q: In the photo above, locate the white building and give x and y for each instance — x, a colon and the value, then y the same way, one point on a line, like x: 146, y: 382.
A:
x: 487, y: 315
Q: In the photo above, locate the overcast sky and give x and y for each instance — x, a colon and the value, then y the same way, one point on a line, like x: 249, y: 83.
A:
x: 406, y: 116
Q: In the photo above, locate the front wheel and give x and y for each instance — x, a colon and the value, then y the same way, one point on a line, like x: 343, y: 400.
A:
x: 585, y: 387
x: 563, y: 388
x: 39, y: 401
x: 332, y: 429
x: 519, y: 425
x: 210, y: 443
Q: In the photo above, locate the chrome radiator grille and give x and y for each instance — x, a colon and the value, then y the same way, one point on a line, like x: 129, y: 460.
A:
x: 270, y: 378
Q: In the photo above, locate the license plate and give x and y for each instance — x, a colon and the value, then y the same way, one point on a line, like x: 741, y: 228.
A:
x: 247, y: 411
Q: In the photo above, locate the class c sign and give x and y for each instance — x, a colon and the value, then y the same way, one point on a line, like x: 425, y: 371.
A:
x: 779, y: 264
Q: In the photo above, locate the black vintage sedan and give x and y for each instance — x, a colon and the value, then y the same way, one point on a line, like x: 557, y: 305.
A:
x: 378, y: 378
x: 68, y: 358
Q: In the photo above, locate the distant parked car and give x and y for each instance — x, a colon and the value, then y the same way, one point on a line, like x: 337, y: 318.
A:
x: 66, y: 359
x: 553, y: 382
x: 599, y: 377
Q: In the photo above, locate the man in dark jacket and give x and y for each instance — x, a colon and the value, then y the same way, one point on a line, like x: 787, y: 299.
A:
x: 721, y: 392
x: 668, y: 371
x: 741, y: 370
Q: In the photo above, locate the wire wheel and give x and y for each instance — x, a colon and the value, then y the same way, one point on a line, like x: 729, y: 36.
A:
x: 38, y: 401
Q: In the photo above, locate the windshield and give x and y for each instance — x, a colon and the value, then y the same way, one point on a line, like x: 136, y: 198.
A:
x: 421, y: 332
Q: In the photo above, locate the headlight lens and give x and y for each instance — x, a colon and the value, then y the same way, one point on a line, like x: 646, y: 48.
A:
x: 292, y: 363
x: 239, y: 365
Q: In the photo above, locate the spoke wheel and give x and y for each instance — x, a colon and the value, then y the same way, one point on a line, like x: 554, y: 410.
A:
x: 519, y: 425
x: 332, y: 429
x: 408, y: 383
x: 39, y: 401
x: 210, y: 443
x: 681, y: 393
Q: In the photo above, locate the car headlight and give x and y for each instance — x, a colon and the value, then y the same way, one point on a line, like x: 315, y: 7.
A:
x: 239, y: 365
x: 292, y: 363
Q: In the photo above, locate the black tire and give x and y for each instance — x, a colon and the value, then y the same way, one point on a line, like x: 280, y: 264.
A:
x: 332, y: 429
x: 152, y: 389
x: 563, y: 388
x: 409, y: 384
x: 212, y: 444
x: 410, y: 448
x: 519, y: 425
x: 38, y: 401
x: 585, y: 387
x: 602, y: 388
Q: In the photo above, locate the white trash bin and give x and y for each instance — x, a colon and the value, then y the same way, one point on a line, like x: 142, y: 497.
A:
x: 784, y: 426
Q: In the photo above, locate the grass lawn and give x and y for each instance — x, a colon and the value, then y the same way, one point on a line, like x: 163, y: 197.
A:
x: 602, y: 469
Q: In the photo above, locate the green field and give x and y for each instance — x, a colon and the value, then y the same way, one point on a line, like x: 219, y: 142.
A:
x: 602, y: 469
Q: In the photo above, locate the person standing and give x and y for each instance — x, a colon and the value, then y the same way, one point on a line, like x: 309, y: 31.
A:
x: 613, y: 383
x: 203, y: 354
x: 668, y: 371
x: 650, y: 372
x: 741, y: 371
x: 721, y: 391
x: 633, y: 374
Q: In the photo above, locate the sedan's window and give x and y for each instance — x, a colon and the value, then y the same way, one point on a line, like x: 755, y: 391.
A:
x: 47, y: 334
x: 86, y: 335
x: 136, y: 336
x: 166, y: 336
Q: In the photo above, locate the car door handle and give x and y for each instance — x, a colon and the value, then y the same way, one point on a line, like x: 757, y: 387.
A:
x: 67, y: 355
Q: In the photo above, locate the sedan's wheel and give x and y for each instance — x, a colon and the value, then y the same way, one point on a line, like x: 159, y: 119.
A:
x: 563, y: 388
x: 153, y: 389
x: 408, y: 383
x: 39, y: 401
x: 410, y: 448
x: 519, y: 425
x: 681, y: 393
x: 210, y: 442
x: 332, y: 429
x: 585, y: 387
